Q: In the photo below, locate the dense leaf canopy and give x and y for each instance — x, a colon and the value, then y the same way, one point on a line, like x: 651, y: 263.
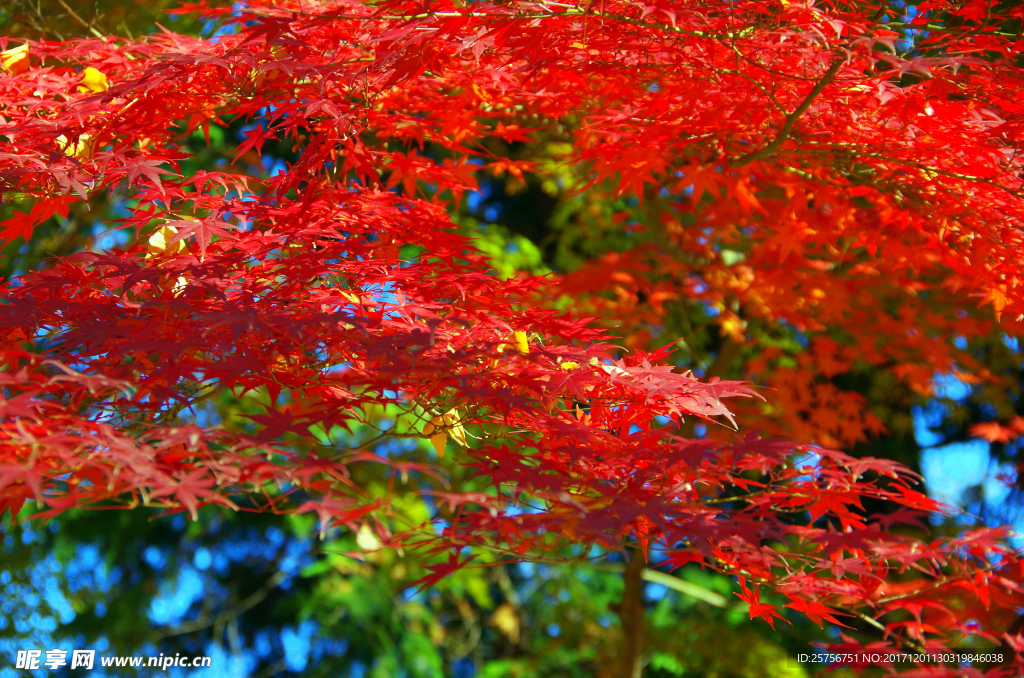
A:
x: 841, y: 172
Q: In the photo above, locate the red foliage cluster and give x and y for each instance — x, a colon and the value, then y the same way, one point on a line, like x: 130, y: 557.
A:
x: 297, y: 287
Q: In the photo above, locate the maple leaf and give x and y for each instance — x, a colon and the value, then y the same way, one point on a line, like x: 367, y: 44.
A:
x: 15, y: 60
x: 192, y: 490
x: 510, y: 133
x: 513, y: 167
x: 21, y: 225
x: 835, y: 504
x: 815, y: 611
x: 255, y: 138
x: 275, y: 424
x: 702, y: 179
x: 993, y: 432
x: 147, y: 167
x: 440, y: 571
x: 204, y: 231
x: 335, y: 509
x: 917, y: 500
x: 765, y: 611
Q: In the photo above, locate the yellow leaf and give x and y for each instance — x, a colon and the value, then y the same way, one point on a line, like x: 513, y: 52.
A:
x: 506, y: 620
x: 732, y: 325
x: 160, y: 241
x: 82, y: 148
x: 451, y: 421
x: 999, y: 299
x: 15, y: 60
x: 438, y: 439
x: 569, y: 365
x: 93, y: 81
x: 367, y: 539
x: 522, y: 345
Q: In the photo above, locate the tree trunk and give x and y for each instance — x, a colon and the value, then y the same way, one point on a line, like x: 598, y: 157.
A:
x: 632, y: 613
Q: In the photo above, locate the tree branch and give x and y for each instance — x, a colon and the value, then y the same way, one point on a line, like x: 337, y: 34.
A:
x: 74, y: 15
x: 686, y: 588
x: 791, y: 119
x: 206, y: 621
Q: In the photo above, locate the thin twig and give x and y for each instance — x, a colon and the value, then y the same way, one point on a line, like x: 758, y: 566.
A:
x: 74, y: 15
x: 791, y: 119
x: 205, y: 621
